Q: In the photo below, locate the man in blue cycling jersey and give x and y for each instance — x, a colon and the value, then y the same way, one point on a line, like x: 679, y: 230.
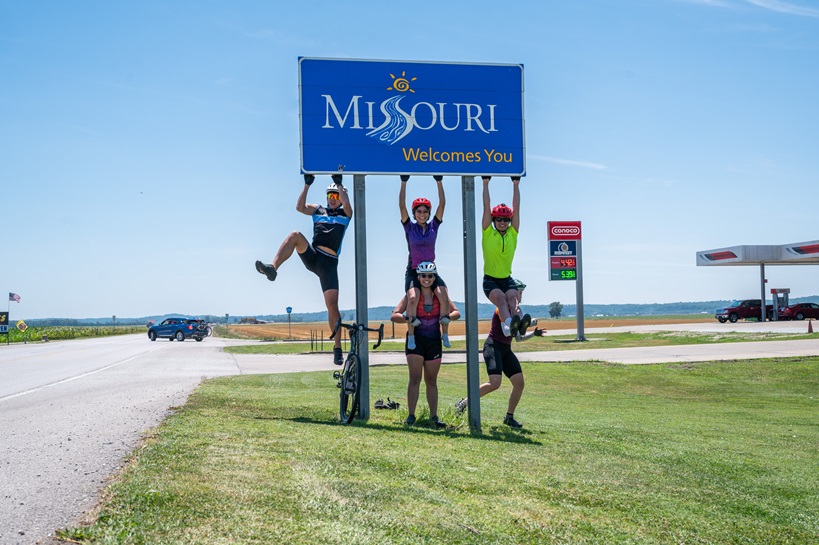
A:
x: 321, y: 257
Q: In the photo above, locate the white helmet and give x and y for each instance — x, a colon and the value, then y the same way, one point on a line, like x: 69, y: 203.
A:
x: 333, y: 188
x: 426, y: 267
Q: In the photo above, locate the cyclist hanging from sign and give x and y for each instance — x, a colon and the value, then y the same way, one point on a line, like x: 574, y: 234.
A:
x: 424, y: 357
x: 321, y: 257
x: 421, y: 236
x: 499, y: 241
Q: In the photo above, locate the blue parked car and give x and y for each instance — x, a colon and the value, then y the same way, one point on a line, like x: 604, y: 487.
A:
x: 179, y: 329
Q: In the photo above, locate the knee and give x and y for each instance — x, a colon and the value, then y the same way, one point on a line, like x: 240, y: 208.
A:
x: 494, y: 382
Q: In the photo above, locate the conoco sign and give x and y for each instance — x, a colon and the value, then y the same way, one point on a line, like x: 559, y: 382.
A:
x: 564, y: 230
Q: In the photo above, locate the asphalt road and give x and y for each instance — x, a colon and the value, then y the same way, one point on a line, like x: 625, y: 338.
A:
x: 71, y: 411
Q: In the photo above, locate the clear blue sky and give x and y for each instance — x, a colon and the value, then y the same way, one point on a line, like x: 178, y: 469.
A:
x: 150, y: 150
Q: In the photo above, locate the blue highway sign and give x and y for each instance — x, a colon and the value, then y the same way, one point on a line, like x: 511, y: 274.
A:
x: 410, y: 117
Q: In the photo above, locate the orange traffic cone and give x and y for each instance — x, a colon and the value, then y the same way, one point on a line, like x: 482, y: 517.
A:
x: 810, y: 326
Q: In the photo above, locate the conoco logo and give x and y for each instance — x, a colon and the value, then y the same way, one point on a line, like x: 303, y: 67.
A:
x: 565, y: 231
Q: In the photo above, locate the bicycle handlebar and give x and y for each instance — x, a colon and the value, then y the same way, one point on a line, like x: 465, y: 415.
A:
x: 358, y: 327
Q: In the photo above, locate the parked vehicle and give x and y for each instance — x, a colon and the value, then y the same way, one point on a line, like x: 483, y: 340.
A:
x: 800, y: 311
x: 749, y: 308
x: 179, y: 329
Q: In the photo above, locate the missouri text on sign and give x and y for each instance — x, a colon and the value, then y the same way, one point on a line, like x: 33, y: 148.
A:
x: 409, y: 117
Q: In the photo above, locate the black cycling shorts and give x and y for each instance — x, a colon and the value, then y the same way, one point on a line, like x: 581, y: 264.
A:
x: 322, y: 265
x: 411, y: 281
x: 504, y: 284
x: 429, y: 348
x: 499, y: 357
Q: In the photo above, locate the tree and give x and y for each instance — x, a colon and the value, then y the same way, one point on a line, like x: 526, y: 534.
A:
x: 555, y: 309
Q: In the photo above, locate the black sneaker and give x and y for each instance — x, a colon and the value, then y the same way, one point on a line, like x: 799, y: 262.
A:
x: 512, y: 423
x: 513, y: 327
x: 525, y: 322
x: 410, y: 420
x: 338, y: 356
x: 437, y: 423
x: 266, y: 270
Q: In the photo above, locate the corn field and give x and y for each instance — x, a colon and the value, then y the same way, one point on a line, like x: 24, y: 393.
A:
x: 60, y: 333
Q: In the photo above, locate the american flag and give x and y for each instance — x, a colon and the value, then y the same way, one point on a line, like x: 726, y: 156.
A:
x: 14, y: 297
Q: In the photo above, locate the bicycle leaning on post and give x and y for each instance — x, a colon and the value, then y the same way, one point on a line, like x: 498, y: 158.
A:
x: 349, y: 377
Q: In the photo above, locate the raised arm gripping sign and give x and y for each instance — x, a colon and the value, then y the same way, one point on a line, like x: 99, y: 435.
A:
x: 410, y: 117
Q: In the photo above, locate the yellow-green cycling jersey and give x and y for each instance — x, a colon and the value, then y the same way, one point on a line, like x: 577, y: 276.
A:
x: 498, y: 251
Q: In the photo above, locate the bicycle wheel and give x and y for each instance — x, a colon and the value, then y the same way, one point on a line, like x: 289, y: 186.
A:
x: 350, y: 386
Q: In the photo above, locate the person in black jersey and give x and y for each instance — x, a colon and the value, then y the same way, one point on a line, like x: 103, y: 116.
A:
x: 321, y: 256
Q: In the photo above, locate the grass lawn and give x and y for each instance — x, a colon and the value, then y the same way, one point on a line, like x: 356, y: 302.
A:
x: 609, y: 340
x: 696, y: 453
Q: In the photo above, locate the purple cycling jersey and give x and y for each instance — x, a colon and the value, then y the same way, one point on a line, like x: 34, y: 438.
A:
x: 421, y: 244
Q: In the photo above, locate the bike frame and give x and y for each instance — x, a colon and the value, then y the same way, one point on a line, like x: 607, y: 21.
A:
x: 349, y: 378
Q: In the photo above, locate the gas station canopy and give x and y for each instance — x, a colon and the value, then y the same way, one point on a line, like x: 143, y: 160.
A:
x: 800, y: 253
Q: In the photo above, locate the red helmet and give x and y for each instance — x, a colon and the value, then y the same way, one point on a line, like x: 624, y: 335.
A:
x: 502, y: 211
x: 421, y: 201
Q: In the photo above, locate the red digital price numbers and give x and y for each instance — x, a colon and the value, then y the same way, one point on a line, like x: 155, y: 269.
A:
x: 563, y: 262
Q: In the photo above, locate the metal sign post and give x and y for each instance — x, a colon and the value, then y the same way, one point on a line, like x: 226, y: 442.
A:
x: 289, y: 310
x: 471, y: 305
x: 361, y: 313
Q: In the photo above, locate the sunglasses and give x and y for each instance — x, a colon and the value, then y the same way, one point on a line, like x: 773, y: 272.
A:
x: 426, y: 275
x: 333, y: 196
x: 507, y: 220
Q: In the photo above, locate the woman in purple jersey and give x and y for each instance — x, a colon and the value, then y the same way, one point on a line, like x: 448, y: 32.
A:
x: 421, y: 236
x: 424, y: 357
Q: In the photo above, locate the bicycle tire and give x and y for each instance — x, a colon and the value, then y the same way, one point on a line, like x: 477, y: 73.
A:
x: 349, y: 392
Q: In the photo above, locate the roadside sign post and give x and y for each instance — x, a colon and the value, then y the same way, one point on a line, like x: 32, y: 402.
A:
x: 566, y: 263
x: 289, y: 310
x: 361, y: 311
x: 471, y: 310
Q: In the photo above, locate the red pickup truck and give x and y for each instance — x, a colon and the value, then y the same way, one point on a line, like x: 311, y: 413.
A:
x: 749, y: 308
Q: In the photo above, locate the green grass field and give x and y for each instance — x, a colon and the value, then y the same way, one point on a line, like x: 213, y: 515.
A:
x: 696, y: 453
x: 610, y: 340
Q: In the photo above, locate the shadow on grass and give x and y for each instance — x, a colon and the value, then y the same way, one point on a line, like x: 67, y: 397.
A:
x: 495, y: 433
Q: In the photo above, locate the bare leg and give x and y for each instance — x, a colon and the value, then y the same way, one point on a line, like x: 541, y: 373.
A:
x: 415, y: 363
x: 517, y: 391
x: 331, y: 301
x: 489, y: 387
x: 498, y: 298
x: 443, y: 299
x: 512, y: 302
x: 412, y: 308
x: 431, y: 369
x: 293, y: 241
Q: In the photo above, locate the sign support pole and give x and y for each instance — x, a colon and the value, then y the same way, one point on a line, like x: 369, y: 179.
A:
x: 763, y: 310
x: 471, y: 304
x: 361, y: 313
x: 578, y: 284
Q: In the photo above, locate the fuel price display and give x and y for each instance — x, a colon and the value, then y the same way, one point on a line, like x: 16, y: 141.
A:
x: 563, y: 237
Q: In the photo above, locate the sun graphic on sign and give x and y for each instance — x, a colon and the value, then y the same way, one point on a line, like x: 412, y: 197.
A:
x: 402, y: 84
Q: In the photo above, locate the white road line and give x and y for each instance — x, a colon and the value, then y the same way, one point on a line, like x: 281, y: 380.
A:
x: 69, y: 379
